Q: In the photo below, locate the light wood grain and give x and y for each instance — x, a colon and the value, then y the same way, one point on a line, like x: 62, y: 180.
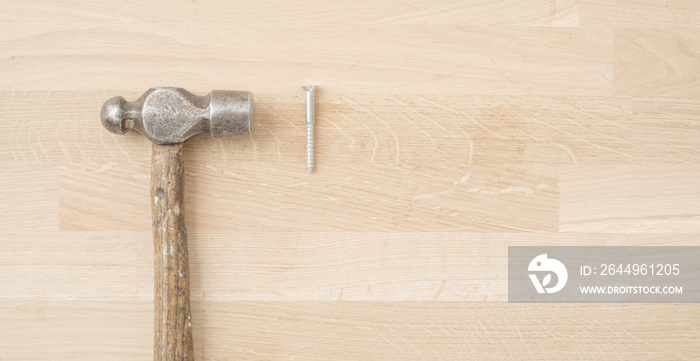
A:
x: 417, y: 331
x: 445, y: 132
x: 29, y: 193
x: 670, y: 129
x: 78, y: 329
x: 237, y: 196
x: 381, y: 128
x: 76, y: 265
x: 601, y: 199
x: 657, y: 62
x: 285, y: 266
x: 639, y: 13
x: 479, y: 12
x: 343, y: 59
x: 69, y: 330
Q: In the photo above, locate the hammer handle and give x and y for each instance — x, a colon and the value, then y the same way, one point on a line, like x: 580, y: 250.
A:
x: 173, y: 321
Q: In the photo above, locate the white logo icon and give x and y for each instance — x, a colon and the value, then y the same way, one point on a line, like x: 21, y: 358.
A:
x: 543, y: 264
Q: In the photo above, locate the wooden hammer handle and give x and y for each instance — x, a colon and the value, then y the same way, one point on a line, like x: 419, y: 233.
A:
x: 173, y: 320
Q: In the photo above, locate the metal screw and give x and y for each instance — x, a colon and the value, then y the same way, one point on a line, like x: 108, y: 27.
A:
x: 309, y: 126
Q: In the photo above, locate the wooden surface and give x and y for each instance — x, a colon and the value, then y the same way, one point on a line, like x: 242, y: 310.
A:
x: 172, y: 312
x: 445, y: 132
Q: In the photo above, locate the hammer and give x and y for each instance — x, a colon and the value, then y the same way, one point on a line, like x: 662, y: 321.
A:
x: 168, y: 117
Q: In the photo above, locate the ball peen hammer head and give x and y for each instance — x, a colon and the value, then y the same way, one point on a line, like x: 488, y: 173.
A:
x: 172, y: 115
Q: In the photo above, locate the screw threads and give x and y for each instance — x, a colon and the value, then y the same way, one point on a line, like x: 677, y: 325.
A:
x: 309, y: 126
x: 309, y: 147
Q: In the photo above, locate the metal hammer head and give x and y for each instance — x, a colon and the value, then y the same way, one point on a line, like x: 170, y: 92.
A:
x: 173, y: 115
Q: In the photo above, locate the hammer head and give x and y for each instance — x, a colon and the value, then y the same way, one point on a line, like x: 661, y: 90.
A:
x: 173, y: 115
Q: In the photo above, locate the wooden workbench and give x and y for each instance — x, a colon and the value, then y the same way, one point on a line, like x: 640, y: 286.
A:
x: 445, y: 132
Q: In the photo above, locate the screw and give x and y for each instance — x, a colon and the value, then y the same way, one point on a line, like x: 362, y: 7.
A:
x: 309, y: 126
